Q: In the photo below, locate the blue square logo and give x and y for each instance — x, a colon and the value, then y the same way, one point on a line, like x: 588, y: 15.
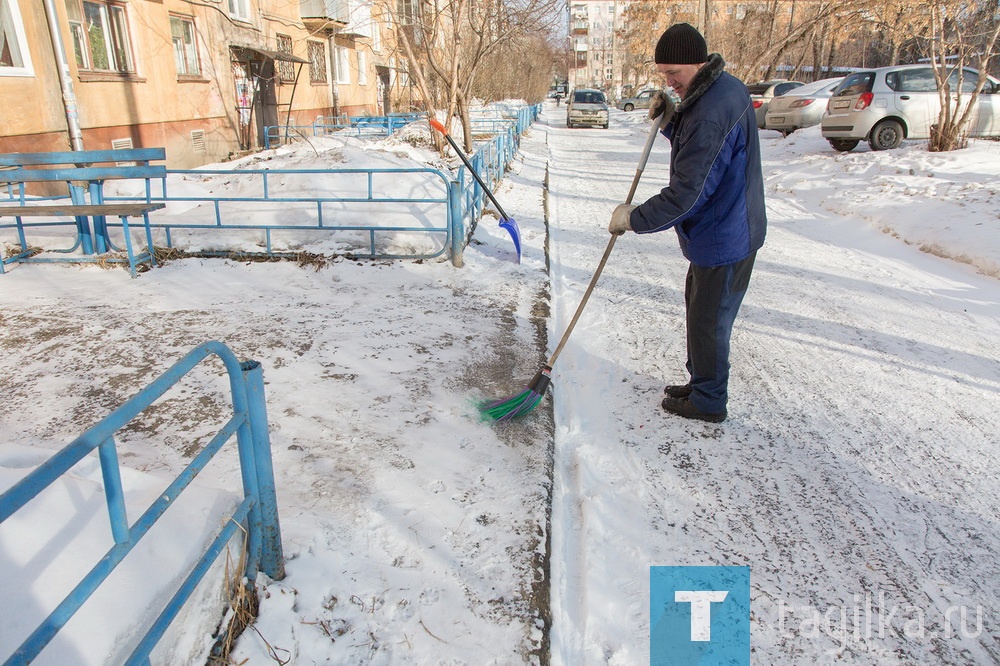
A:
x: 699, y: 615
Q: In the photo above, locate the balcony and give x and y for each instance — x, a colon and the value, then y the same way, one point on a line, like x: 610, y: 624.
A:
x: 360, y: 23
x: 325, y: 14
x: 579, y: 27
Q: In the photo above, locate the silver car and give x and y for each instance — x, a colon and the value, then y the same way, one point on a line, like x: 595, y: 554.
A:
x: 587, y: 107
x: 885, y: 105
x: 643, y: 99
x: 802, y: 107
x: 762, y: 93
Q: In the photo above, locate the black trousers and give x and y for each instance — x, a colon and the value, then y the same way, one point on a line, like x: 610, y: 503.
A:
x: 713, y: 297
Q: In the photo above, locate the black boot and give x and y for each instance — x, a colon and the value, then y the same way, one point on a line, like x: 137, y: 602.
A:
x: 683, y: 407
x: 678, y: 390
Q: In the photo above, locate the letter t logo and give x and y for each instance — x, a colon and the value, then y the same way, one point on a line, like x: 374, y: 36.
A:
x: 701, y: 610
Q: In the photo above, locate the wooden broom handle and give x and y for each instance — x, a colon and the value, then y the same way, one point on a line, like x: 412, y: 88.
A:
x: 657, y: 124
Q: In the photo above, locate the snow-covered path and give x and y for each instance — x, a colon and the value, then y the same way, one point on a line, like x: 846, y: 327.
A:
x: 856, y: 473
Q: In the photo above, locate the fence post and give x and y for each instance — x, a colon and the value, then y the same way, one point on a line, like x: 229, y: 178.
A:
x: 271, y: 558
x: 457, y: 229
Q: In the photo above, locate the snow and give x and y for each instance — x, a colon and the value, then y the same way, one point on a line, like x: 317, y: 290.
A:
x: 855, y: 475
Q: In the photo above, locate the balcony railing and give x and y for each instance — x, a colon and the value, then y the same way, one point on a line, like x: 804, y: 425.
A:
x: 327, y: 10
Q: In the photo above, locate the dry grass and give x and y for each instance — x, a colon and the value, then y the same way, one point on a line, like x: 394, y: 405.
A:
x: 241, y: 597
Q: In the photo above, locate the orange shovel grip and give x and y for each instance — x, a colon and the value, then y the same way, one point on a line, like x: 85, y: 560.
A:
x: 438, y: 126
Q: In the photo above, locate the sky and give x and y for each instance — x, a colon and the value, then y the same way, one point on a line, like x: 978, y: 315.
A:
x: 855, y: 475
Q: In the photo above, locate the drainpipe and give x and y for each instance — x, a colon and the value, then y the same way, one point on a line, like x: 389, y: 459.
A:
x: 65, y: 80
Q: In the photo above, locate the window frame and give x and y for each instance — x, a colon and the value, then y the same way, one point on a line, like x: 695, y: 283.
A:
x: 286, y: 69
x: 114, y: 28
x: 187, y: 21
x: 20, y: 41
x: 343, y: 64
x: 239, y: 10
x: 316, y: 51
x: 362, y: 68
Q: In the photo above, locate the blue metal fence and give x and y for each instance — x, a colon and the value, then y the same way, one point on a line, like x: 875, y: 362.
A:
x: 446, y: 214
x: 275, y: 135
x: 426, y: 195
x: 257, y: 513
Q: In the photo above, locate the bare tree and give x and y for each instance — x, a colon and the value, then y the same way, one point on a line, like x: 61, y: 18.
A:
x: 755, y: 39
x: 958, y: 40
x: 448, y: 44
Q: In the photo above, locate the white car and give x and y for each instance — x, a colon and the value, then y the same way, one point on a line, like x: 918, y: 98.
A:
x: 883, y: 106
x: 802, y: 107
x: 763, y: 92
x: 587, y: 107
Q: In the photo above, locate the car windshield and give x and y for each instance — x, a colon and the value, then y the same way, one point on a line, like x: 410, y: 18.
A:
x: 855, y: 84
x: 588, y: 97
x: 759, y: 88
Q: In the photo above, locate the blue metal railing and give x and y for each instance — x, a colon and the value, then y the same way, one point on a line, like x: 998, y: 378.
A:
x: 444, y: 211
x: 425, y: 187
x: 258, y: 511
x: 275, y: 135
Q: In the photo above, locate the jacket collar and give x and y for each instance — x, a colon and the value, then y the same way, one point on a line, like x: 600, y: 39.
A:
x: 703, y: 80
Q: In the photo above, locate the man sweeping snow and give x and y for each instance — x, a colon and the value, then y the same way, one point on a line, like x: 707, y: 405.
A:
x: 715, y: 202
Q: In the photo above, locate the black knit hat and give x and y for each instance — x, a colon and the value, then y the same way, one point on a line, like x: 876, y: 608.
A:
x: 681, y: 44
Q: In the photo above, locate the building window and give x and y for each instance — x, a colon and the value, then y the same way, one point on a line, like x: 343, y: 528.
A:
x: 362, y: 69
x: 240, y: 9
x: 408, y: 11
x: 343, y: 65
x: 185, y: 47
x: 15, y: 59
x: 100, y: 35
x: 286, y: 69
x: 317, y: 62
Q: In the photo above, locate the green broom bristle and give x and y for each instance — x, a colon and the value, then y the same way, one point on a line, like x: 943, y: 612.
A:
x: 520, y: 404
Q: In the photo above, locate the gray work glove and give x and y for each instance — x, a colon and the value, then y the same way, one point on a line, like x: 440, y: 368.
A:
x: 660, y: 103
x: 619, y: 219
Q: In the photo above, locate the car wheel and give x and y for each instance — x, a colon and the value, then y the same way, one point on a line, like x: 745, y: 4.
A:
x: 629, y: 107
x: 844, y: 145
x: 886, y: 135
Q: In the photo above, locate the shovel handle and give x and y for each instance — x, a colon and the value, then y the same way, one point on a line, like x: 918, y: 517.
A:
x: 439, y: 127
x: 465, y: 160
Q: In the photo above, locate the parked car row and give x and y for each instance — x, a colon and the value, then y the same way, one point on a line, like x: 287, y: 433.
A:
x: 882, y: 106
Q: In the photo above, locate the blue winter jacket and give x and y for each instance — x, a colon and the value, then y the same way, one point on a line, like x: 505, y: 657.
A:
x: 715, y: 199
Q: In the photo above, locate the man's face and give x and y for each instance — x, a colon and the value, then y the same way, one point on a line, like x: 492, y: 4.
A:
x: 678, y: 77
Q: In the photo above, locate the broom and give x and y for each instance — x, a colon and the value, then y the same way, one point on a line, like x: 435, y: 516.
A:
x: 521, y: 403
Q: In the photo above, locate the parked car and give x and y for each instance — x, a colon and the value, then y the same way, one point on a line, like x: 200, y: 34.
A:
x: 642, y: 100
x: 587, y: 107
x: 763, y: 92
x: 802, y: 107
x: 885, y: 105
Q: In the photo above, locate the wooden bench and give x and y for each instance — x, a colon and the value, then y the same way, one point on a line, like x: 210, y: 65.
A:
x: 83, y: 173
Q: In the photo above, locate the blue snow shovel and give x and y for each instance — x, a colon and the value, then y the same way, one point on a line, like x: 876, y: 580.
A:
x: 506, y: 221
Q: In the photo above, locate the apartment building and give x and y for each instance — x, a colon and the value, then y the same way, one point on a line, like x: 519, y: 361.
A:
x: 597, y: 55
x: 201, y: 78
